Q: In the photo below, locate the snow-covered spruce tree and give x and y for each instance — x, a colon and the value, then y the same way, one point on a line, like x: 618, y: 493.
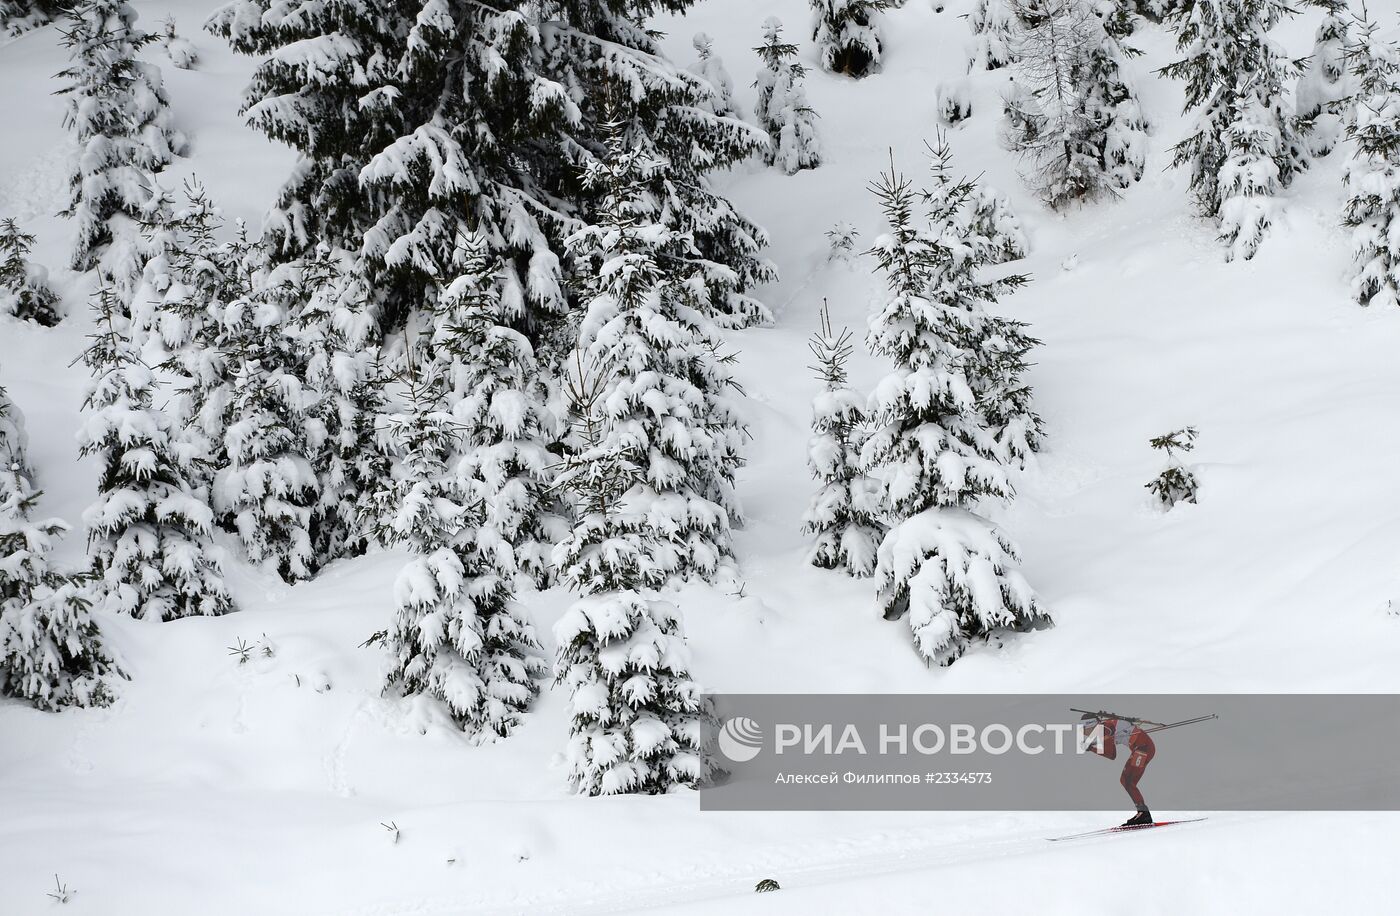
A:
x: 332, y: 325
x: 638, y: 719
x: 1245, y: 145
x: 950, y: 421
x: 666, y: 403
x: 1324, y: 87
x: 419, y: 123
x: 500, y: 404
x: 24, y: 287
x: 782, y: 107
x: 711, y: 68
x: 458, y: 635
x: 18, y: 16
x: 844, y: 514
x: 181, y: 52
x: 188, y: 279
x: 1077, y: 123
x: 847, y: 34
x: 1372, y: 177
x: 994, y: 28
x: 148, y: 534
x: 1177, y: 483
x: 51, y: 652
x: 991, y: 220
x: 267, y: 490
x: 119, y: 116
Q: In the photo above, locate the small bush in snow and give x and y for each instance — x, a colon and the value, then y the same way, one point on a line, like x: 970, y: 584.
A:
x: 842, y: 241
x: 766, y: 885
x: 954, y: 102
x: 1176, y: 483
x: 24, y: 288
x: 181, y: 52
x: 847, y: 34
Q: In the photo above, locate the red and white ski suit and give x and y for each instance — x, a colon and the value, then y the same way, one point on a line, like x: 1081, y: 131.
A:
x: 1139, y: 746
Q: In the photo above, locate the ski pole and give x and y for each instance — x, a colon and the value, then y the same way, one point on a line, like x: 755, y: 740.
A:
x: 1101, y: 714
x: 1181, y: 723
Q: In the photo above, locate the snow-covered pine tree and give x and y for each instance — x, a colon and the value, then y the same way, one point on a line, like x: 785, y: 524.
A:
x: 1324, y: 87
x: 419, y: 123
x: 711, y: 68
x: 24, y: 287
x: 1245, y: 145
x: 638, y: 719
x: 149, y: 535
x: 332, y: 323
x: 1372, y: 175
x: 181, y: 52
x: 844, y: 514
x: 51, y: 652
x: 119, y: 116
x: 267, y: 490
x: 458, y: 635
x: 950, y: 421
x: 18, y: 16
x: 994, y: 28
x: 667, y: 391
x: 847, y: 34
x: 782, y: 107
x: 992, y: 221
x: 500, y: 404
x: 1077, y: 122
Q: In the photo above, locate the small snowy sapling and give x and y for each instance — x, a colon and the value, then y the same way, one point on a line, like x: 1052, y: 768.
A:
x: 1176, y: 483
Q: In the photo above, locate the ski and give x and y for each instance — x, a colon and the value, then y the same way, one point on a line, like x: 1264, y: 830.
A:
x: 1109, y: 830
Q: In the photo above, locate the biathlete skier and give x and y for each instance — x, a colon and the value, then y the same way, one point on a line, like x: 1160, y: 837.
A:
x: 1137, y: 744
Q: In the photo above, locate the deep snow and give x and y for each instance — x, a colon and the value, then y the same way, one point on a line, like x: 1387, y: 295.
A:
x: 212, y: 787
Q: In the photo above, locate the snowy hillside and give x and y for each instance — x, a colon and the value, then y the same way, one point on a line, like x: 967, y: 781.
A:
x: 211, y: 786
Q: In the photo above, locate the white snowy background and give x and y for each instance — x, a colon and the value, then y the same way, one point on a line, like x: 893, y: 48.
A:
x: 210, y: 787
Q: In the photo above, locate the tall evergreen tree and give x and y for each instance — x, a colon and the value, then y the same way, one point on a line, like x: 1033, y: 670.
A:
x: 1245, y: 145
x: 51, y: 651
x: 1077, y: 122
x: 24, y: 288
x: 498, y: 400
x: 1324, y: 87
x: 418, y: 124
x: 847, y: 34
x: 266, y: 488
x: 1372, y: 175
x: 667, y: 404
x: 148, y: 534
x: 844, y: 514
x: 458, y: 635
x: 952, y: 419
x: 782, y: 107
x: 638, y: 719
x: 119, y: 115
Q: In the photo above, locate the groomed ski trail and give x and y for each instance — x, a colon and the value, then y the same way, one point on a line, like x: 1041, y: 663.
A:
x: 726, y: 884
